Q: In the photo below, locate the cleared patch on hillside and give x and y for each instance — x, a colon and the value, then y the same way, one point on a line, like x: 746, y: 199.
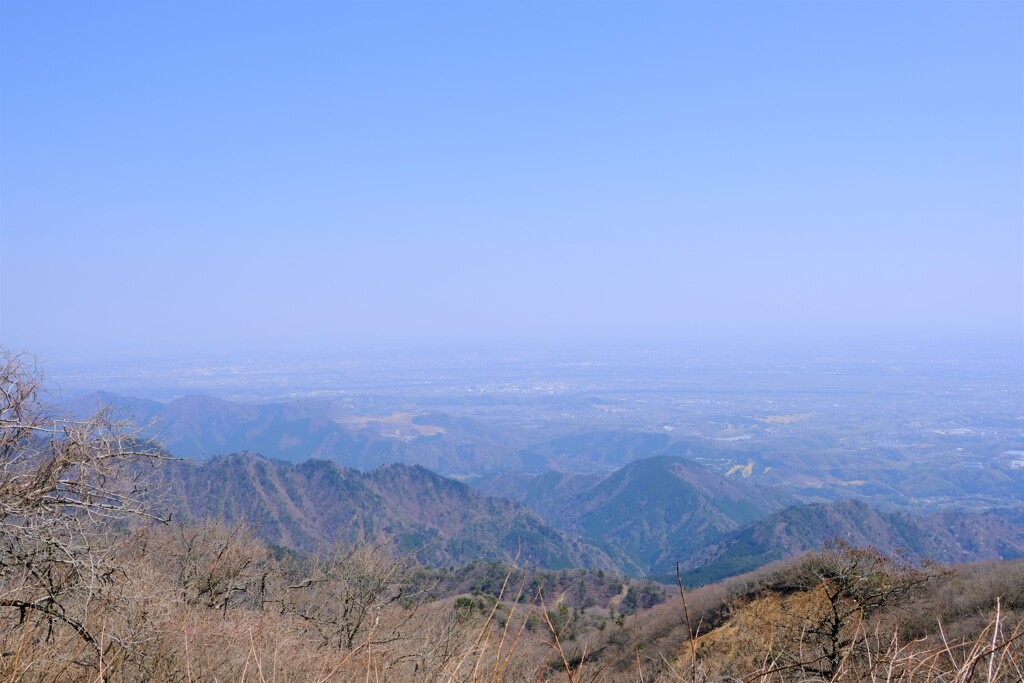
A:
x: 395, y: 426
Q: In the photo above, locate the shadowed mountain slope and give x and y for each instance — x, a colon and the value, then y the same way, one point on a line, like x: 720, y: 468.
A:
x: 951, y: 536
x: 645, y: 515
x: 657, y: 510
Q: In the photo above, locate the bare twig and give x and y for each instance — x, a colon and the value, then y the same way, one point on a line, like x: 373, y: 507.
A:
x: 689, y: 626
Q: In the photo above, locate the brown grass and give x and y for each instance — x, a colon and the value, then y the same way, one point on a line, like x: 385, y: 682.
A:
x: 214, y: 604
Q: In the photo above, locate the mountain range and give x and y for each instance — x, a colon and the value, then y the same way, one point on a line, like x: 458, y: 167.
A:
x: 639, y: 520
x: 642, y: 503
x: 199, y: 426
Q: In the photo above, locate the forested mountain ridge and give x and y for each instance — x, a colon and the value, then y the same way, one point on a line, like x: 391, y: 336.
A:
x: 318, y: 503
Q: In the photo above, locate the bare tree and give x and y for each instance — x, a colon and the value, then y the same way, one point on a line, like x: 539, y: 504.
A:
x: 344, y: 595
x: 218, y: 565
x: 65, y: 485
x: 846, y: 585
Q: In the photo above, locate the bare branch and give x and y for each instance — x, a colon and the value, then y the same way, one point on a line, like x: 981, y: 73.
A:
x: 64, y: 484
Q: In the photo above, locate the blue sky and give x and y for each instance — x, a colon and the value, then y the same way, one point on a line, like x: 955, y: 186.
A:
x: 218, y: 176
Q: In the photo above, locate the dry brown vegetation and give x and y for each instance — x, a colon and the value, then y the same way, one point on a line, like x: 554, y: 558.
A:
x: 96, y: 587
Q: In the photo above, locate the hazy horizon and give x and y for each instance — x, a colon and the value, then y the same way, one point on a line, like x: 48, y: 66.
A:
x: 210, y: 179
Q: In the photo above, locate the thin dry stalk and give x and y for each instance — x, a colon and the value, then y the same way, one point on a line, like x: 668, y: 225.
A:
x: 478, y: 648
x: 995, y: 636
x: 501, y: 664
x: 689, y: 626
x: 556, y: 643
